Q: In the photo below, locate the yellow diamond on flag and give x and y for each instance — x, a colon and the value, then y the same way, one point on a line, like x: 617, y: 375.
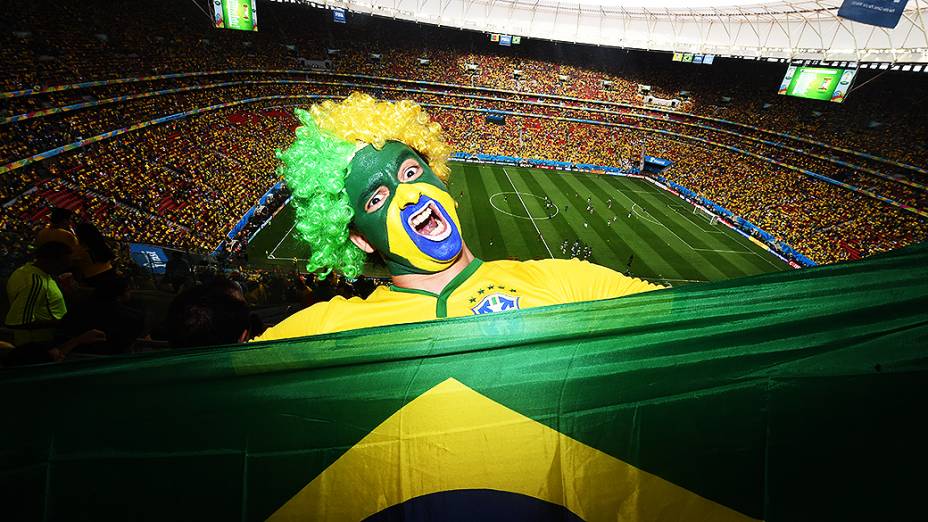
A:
x: 452, y: 438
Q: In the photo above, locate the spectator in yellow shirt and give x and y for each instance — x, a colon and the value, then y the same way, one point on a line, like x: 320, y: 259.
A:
x: 37, y: 308
x: 58, y: 229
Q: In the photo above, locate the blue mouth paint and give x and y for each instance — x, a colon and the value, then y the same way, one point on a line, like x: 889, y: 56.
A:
x: 443, y: 250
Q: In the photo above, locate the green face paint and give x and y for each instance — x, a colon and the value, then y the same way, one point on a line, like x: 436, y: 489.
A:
x: 403, y: 209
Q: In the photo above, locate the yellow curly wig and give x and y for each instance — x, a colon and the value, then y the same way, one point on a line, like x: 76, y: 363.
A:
x: 316, y: 164
x: 361, y: 118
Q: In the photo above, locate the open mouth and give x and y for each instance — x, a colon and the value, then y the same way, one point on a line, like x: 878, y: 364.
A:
x: 429, y: 223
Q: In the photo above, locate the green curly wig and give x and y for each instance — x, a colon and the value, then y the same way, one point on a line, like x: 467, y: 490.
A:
x: 316, y: 165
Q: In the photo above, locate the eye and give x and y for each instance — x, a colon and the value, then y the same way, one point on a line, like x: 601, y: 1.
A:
x: 376, y: 201
x: 409, y: 171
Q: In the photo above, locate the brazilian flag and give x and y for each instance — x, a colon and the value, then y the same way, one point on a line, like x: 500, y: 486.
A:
x: 784, y: 397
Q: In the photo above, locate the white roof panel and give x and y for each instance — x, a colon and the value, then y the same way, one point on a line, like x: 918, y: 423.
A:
x: 781, y: 29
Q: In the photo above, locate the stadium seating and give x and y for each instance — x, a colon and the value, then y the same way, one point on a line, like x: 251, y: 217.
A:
x: 186, y: 183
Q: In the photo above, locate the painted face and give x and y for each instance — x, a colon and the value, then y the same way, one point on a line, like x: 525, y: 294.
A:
x: 403, y: 209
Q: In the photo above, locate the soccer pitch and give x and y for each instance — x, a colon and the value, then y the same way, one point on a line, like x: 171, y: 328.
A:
x: 504, y: 216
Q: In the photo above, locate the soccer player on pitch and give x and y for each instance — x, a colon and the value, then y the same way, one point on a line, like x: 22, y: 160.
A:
x: 368, y: 178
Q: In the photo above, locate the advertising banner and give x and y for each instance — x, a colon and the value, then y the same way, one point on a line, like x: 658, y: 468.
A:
x: 881, y: 13
x: 149, y: 257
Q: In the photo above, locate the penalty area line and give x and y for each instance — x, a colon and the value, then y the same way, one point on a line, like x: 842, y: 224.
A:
x: 529, y: 214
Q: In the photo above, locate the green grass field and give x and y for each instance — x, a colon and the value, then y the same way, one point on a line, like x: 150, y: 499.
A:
x: 504, y: 216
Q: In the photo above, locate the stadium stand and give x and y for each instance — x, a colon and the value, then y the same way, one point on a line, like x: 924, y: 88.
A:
x: 185, y: 183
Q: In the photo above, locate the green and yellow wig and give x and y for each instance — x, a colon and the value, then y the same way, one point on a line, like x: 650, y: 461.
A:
x: 316, y: 165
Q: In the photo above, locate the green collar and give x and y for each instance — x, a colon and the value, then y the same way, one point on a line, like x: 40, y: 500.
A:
x: 441, y: 305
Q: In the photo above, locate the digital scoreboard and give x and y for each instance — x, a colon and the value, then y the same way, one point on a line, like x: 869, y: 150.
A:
x: 241, y: 15
x: 817, y: 83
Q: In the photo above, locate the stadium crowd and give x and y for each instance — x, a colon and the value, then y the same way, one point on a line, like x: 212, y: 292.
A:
x: 190, y: 161
x: 44, y: 49
x: 183, y: 184
x: 186, y: 182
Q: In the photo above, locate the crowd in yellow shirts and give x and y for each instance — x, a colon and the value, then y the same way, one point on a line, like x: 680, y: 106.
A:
x: 186, y: 183
x: 183, y: 184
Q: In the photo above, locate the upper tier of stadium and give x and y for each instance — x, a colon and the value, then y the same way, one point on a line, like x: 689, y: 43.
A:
x: 793, y: 29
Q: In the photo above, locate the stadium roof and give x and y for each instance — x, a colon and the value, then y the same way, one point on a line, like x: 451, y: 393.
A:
x: 800, y: 29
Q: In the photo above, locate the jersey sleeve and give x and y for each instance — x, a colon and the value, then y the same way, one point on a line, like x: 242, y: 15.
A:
x: 584, y: 281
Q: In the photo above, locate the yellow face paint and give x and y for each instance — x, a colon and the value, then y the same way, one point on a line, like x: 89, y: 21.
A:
x: 398, y: 234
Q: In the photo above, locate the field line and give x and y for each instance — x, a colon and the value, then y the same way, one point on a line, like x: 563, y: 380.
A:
x: 671, y: 279
x: 285, y: 236
x: 685, y: 216
x: 660, y: 224
x: 736, y: 236
x: 674, y: 201
x: 767, y: 259
x: 527, y: 213
x: 636, y: 207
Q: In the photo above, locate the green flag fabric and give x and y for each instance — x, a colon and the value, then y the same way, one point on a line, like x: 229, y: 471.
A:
x: 784, y: 397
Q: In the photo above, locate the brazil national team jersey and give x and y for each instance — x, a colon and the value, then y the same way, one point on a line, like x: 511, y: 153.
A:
x: 482, y: 288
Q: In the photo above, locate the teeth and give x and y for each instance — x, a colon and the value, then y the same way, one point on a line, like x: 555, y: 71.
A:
x: 441, y: 230
x: 423, y: 214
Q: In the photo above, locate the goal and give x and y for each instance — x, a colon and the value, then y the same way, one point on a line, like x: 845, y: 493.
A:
x: 705, y: 214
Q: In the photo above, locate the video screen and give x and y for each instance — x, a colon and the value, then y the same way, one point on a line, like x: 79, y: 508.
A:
x: 241, y: 15
x: 817, y: 83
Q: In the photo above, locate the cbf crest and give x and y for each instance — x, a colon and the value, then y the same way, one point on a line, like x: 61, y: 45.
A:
x: 496, y: 302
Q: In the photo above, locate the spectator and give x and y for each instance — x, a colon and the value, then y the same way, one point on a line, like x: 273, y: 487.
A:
x: 208, y: 315
x: 177, y: 271
x: 37, y: 308
x: 58, y: 229
x: 108, y: 311
x: 94, y: 259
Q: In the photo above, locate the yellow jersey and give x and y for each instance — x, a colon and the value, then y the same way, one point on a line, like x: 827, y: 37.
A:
x: 34, y: 297
x: 481, y: 288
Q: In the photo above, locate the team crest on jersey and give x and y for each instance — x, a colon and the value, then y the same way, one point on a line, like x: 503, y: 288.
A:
x: 496, y: 302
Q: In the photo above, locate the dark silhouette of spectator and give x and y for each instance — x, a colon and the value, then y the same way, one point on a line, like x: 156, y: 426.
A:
x: 108, y: 310
x: 208, y: 315
x: 94, y: 256
x: 59, y: 230
x: 224, y: 285
x: 177, y: 271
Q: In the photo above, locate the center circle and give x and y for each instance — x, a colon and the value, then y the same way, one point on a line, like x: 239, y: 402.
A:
x: 523, y: 195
